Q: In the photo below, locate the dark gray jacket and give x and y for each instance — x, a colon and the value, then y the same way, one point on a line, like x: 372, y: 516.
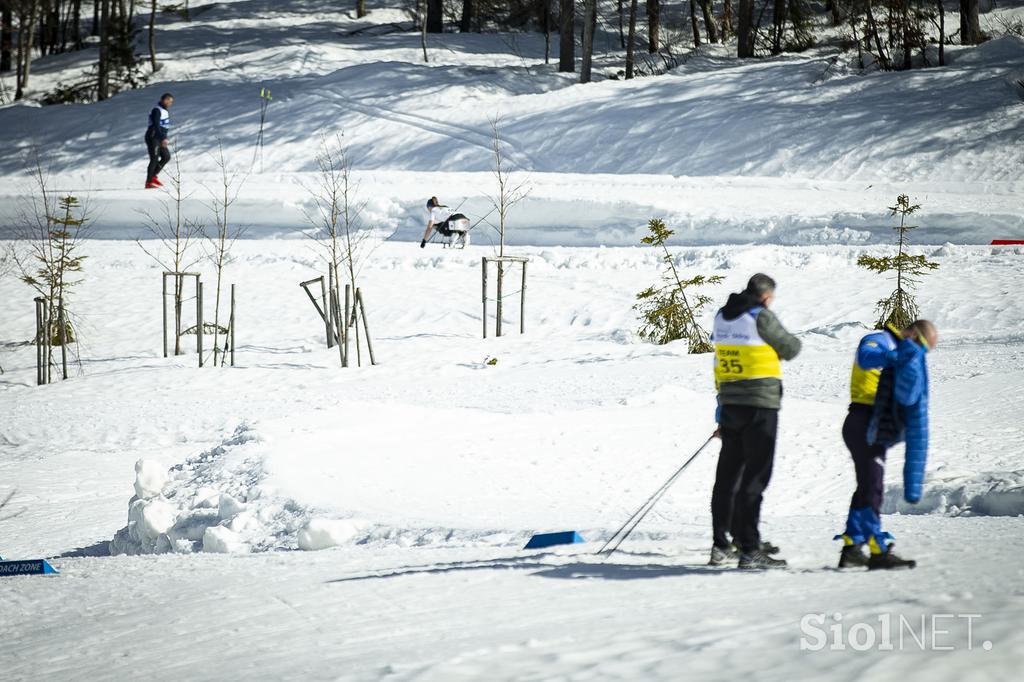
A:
x: 766, y: 393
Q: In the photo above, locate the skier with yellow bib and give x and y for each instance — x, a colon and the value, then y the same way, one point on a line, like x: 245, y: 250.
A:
x: 749, y: 344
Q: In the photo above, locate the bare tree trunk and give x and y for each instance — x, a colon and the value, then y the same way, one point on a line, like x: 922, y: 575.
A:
x: 908, y: 57
x: 44, y: 28
x: 435, y: 16
x: 76, y: 24
x: 859, y: 41
x: 64, y: 22
x: 778, y: 25
x: 6, y: 36
x: 26, y: 37
x: 942, y: 33
x: 631, y: 40
x: 589, y: 16
x: 833, y: 9
x: 152, y: 37
x: 693, y: 23
x: 970, y: 26
x: 421, y: 10
x: 466, y: 21
x: 727, y: 27
x: 709, y: 21
x: 360, y: 9
x: 653, y: 25
x: 745, y: 30
x: 883, y: 58
x: 567, y: 37
x: 622, y: 31
x: 547, y: 31
x: 103, y: 81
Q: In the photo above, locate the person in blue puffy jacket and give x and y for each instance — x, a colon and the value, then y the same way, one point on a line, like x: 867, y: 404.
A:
x: 888, y: 404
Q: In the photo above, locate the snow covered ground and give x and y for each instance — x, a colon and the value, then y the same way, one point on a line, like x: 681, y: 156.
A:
x: 430, y: 470
x: 445, y: 465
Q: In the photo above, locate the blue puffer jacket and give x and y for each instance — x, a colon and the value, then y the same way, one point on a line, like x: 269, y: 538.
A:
x: 906, y: 405
x: 911, y: 392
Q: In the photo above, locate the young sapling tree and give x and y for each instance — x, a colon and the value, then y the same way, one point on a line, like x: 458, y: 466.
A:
x: 899, y: 308
x: 511, y: 189
x: 175, y: 235
x: 221, y: 240
x: 342, y: 237
x: 49, y: 258
x: 667, y: 311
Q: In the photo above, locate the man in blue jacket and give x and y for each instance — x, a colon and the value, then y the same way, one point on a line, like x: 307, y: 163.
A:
x: 888, y: 404
x: 157, y: 141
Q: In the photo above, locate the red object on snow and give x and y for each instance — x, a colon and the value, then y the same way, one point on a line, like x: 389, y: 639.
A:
x: 1007, y: 242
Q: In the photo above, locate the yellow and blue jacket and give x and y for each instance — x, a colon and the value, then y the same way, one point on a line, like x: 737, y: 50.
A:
x: 875, y: 352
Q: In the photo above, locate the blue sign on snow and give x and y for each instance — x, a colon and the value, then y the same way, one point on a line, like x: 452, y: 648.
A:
x: 569, y: 537
x: 27, y: 567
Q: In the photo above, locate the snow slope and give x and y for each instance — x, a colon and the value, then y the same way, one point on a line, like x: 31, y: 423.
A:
x: 793, y: 149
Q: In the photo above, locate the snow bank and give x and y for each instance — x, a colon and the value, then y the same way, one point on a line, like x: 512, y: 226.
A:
x: 217, y: 502
x: 964, y: 494
x: 324, y: 533
x: 150, y: 479
x: 826, y: 157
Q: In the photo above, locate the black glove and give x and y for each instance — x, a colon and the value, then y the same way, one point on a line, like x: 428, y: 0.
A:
x: 423, y: 243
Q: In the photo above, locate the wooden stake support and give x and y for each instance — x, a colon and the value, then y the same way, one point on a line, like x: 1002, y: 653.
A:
x: 340, y: 317
x: 179, y: 286
x: 501, y: 261
x: 42, y: 343
x: 200, y: 328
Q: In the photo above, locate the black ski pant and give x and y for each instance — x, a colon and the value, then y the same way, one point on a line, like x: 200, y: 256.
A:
x: 744, y: 470
x: 868, y: 460
x: 158, y: 156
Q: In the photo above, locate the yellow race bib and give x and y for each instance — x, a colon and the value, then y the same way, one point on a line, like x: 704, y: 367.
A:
x: 741, y: 353
x: 737, y: 363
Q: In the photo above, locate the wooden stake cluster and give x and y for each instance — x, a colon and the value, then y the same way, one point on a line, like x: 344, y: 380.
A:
x: 200, y: 324
x: 228, y: 351
x: 500, y: 261
x: 229, y: 342
x: 339, y: 319
x: 44, y: 341
x: 179, y: 287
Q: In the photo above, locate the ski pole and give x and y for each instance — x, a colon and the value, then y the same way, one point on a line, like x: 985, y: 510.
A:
x: 633, y: 521
x: 481, y: 220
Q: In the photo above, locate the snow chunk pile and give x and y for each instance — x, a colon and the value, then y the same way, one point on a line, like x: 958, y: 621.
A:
x: 963, y: 494
x: 324, y: 533
x: 219, y: 502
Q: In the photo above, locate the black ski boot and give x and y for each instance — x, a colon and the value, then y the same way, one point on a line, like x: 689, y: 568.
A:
x: 721, y: 557
x: 889, y: 561
x: 766, y: 547
x: 759, y: 559
x: 853, y: 556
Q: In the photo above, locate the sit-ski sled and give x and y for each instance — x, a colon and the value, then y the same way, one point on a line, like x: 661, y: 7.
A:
x: 454, y: 231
